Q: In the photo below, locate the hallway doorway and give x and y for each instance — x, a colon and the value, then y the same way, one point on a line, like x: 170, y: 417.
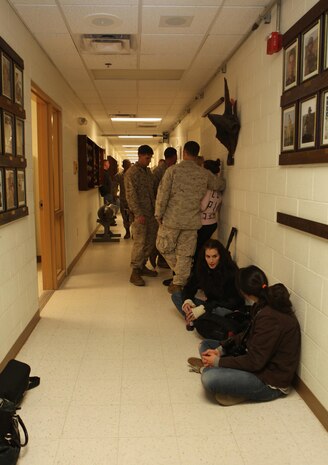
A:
x: 48, y: 191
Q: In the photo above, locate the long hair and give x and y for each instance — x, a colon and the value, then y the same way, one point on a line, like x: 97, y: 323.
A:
x: 253, y: 281
x: 226, y: 266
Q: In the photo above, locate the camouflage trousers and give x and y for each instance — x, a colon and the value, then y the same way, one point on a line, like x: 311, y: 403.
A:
x: 124, y: 209
x: 178, y: 248
x: 144, y: 238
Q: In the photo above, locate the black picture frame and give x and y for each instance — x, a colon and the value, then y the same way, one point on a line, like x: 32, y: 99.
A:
x: 21, y: 188
x: 2, y: 191
x: 291, y: 66
x: 289, y: 121
x: 19, y: 138
x: 325, y: 56
x: 10, y: 181
x: 8, y: 133
x: 324, y: 119
x: 18, y: 85
x: 311, y: 40
x: 308, y: 111
x: 6, y: 76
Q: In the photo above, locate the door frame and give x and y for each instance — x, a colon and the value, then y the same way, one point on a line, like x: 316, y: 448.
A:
x: 49, y: 137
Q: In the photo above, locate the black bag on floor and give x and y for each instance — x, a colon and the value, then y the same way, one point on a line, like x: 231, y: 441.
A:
x: 10, y: 438
x: 15, y: 380
x: 211, y: 326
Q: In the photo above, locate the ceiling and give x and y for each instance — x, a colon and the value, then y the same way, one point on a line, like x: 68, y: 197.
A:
x: 166, y: 52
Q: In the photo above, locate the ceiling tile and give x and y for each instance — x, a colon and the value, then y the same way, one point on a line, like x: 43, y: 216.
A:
x: 235, y: 20
x: 43, y: 18
x: 172, y: 62
x: 202, y: 18
x: 176, y: 44
x: 117, y: 62
x: 80, y: 18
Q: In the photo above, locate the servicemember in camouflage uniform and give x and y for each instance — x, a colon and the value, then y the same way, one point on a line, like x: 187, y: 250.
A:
x: 124, y: 208
x: 140, y: 194
x: 178, y: 212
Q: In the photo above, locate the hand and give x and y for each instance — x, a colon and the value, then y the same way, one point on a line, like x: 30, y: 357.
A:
x: 141, y: 219
x: 190, y: 317
x: 209, y: 356
x: 186, y: 308
x: 159, y: 220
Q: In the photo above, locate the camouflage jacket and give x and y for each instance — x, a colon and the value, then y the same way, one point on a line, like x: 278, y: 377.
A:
x: 158, y: 174
x: 139, y: 190
x: 178, y: 202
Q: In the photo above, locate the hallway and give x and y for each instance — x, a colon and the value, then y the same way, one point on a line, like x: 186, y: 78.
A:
x: 115, y: 387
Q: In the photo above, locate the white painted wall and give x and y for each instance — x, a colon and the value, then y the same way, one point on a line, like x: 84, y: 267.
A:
x: 257, y: 187
x: 18, y: 283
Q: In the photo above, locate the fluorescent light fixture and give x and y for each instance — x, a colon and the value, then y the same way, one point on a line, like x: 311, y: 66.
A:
x: 134, y: 119
x: 135, y: 137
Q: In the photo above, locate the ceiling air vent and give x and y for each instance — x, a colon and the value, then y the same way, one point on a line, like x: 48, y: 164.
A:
x: 107, y: 44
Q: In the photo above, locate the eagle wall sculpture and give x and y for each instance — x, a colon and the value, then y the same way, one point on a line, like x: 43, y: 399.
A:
x: 227, y: 125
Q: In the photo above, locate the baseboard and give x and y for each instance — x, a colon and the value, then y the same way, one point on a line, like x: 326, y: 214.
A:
x: 79, y: 255
x: 21, y: 340
x: 311, y: 401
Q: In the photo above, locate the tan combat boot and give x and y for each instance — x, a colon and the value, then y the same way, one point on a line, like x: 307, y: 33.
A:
x: 136, y: 278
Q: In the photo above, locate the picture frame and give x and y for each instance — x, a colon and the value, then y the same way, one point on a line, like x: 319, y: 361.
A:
x: 0, y: 133
x: 308, y: 122
x: 8, y: 133
x: 11, y: 201
x: 288, y: 128
x: 6, y: 76
x: 311, y: 52
x: 2, y: 191
x: 19, y: 139
x: 325, y: 61
x: 21, y: 189
x: 324, y: 115
x: 291, y: 65
x: 18, y: 85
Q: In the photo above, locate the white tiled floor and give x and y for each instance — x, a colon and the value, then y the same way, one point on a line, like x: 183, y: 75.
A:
x: 115, y: 388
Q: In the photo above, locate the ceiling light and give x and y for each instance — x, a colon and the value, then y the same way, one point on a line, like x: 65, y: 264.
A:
x: 135, y: 137
x: 124, y: 119
x: 175, y: 21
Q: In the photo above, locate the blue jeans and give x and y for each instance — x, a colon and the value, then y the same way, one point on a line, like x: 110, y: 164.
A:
x: 236, y: 383
x: 178, y: 302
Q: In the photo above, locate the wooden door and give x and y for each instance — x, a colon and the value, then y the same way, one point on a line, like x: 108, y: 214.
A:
x: 51, y: 204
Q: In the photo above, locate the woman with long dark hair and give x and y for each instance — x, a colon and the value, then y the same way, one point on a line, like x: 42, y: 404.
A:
x: 214, y: 275
x: 259, y: 364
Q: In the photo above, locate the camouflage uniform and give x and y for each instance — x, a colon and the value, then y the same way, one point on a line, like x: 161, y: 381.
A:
x: 178, y: 208
x: 140, y: 195
x: 158, y: 173
x: 124, y: 208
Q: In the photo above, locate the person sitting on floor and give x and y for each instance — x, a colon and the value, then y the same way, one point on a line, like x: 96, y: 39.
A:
x: 214, y: 275
x: 258, y: 365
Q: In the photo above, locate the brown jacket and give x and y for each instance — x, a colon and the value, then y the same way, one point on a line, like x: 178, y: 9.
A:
x: 273, y: 348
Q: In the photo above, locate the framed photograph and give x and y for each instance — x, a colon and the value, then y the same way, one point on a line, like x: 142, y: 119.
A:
x: 307, y: 122
x: 8, y: 131
x: 6, y: 76
x: 2, y: 192
x: 11, y: 202
x: 18, y: 85
x: 325, y: 63
x: 288, y: 128
x: 291, y: 65
x: 1, y: 151
x: 324, y: 114
x: 19, y: 137
x: 311, y: 51
x: 21, y: 195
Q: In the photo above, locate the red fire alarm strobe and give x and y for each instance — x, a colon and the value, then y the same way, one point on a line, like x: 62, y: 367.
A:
x: 274, y: 43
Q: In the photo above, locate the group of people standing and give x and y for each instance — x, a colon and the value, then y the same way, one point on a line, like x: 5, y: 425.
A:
x: 166, y: 209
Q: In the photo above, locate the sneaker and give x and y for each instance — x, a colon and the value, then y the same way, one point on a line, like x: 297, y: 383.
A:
x: 136, y: 278
x: 174, y: 288
x: 167, y: 282
x: 226, y: 399
x: 147, y: 272
x: 195, y: 364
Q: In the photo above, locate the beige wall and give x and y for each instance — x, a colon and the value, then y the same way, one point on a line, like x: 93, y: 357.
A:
x: 18, y: 284
x: 257, y: 187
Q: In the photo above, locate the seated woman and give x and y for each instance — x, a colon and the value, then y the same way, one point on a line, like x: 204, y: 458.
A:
x: 214, y: 274
x: 259, y: 364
